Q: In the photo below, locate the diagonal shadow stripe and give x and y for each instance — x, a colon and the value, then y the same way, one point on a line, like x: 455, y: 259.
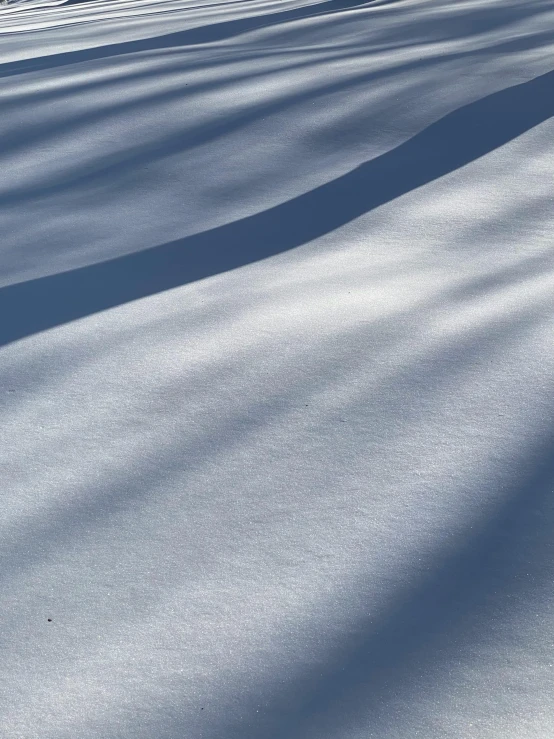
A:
x: 448, y: 144
x: 211, y: 33
x: 507, y: 553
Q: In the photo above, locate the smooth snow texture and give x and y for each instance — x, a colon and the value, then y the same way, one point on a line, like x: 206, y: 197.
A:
x: 277, y: 369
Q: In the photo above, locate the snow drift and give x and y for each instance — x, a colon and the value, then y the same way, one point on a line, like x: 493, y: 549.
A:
x: 276, y: 369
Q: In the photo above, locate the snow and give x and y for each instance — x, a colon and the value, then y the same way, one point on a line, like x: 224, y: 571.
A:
x: 277, y: 369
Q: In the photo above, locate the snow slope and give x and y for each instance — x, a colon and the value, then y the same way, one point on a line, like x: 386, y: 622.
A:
x: 277, y: 369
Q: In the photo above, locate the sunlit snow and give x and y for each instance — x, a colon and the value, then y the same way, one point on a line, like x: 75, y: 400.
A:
x: 277, y: 369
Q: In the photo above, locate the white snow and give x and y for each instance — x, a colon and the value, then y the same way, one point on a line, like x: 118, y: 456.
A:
x: 277, y: 369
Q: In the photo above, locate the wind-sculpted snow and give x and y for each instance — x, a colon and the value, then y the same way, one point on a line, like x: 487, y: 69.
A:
x: 276, y: 361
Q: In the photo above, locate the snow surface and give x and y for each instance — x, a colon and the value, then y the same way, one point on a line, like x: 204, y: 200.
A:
x: 277, y: 369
